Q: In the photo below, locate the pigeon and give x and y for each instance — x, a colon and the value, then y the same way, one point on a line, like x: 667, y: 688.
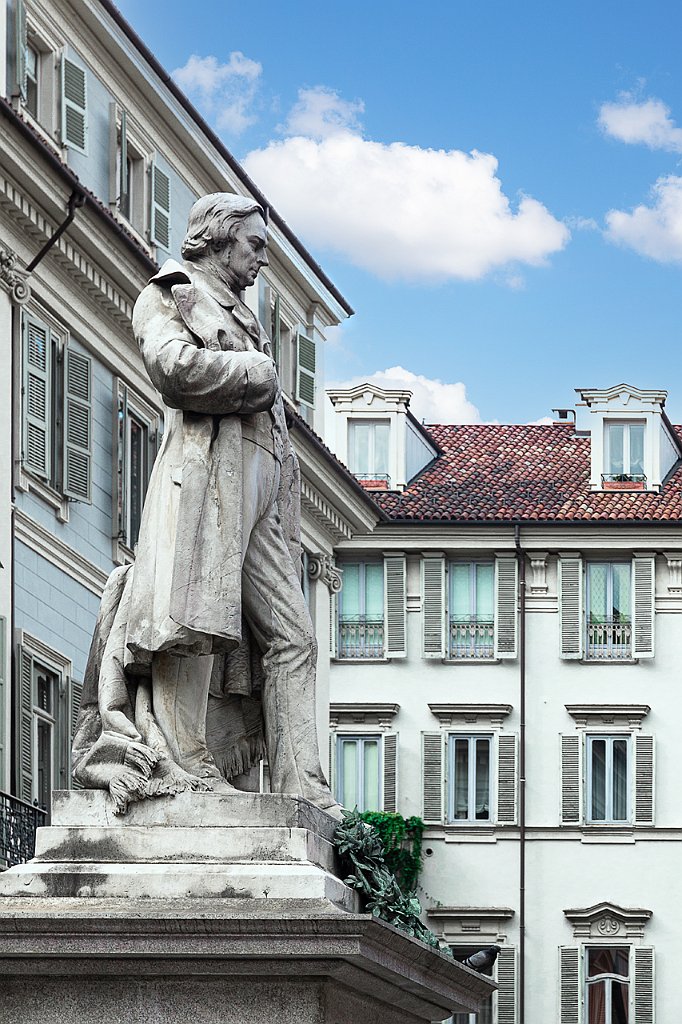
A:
x: 483, y: 961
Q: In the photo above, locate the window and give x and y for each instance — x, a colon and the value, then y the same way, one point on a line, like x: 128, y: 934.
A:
x: 609, y: 616
x: 56, y: 410
x: 469, y: 774
x: 368, y: 449
x: 138, y: 428
x: 358, y: 772
x: 607, y: 984
x: 361, y: 611
x: 471, y: 610
x: 608, y: 776
x: 624, y: 451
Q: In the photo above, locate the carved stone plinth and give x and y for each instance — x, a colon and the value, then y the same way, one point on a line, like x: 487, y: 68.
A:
x: 219, y: 909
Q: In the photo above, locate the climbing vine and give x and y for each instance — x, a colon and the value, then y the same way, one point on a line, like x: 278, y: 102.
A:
x: 402, y: 842
x: 361, y: 851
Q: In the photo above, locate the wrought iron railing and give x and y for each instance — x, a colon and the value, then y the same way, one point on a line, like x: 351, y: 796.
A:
x: 360, y: 637
x: 18, y: 824
x: 609, y: 640
x: 471, y: 637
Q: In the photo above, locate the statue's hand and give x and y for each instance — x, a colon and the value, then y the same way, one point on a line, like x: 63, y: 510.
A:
x: 142, y: 758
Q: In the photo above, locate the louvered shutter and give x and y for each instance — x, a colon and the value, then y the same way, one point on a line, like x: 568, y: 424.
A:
x: 390, y: 772
x: 395, y: 611
x: 571, y: 771
x: 78, y: 426
x: 74, y: 106
x: 75, y: 694
x: 433, y: 594
x: 20, y: 42
x: 331, y: 775
x: 569, y: 985
x: 433, y: 776
x: 37, y: 411
x: 505, y: 976
x: 123, y: 182
x: 276, y: 329
x: 25, y: 727
x: 120, y: 437
x: 571, y: 605
x: 644, y: 581
x: 160, y: 231
x: 644, y: 985
x: 506, y: 779
x: 306, y: 359
x: 506, y: 615
x: 333, y: 624
x: 644, y: 780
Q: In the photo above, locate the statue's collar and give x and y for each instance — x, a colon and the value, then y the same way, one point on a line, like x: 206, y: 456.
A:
x: 173, y: 272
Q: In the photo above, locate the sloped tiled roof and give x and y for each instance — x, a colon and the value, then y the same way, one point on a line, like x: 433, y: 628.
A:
x: 503, y: 473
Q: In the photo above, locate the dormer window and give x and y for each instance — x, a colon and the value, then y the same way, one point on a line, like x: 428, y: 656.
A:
x: 624, y: 450
x: 368, y: 449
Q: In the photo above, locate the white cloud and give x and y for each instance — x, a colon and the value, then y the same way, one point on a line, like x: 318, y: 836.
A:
x: 223, y: 91
x: 655, y: 230
x: 399, y: 211
x: 320, y: 112
x: 433, y: 401
x: 647, y: 122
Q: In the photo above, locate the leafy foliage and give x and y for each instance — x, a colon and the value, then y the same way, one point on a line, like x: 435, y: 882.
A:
x: 362, y: 854
x: 402, y: 842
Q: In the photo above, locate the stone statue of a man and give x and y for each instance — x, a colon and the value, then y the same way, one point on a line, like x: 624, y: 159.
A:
x: 212, y: 613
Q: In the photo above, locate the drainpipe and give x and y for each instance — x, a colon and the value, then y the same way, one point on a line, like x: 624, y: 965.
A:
x: 76, y: 200
x: 521, y: 562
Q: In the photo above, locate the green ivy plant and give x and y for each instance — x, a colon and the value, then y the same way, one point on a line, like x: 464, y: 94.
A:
x: 361, y: 851
x: 402, y: 842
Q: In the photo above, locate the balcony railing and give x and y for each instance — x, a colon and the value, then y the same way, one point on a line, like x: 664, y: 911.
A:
x: 471, y: 637
x: 360, y: 637
x: 609, y: 640
x: 18, y: 824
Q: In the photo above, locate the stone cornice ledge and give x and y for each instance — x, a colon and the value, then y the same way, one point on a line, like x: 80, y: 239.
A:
x: 629, y: 715
x: 608, y: 921
x: 469, y: 714
x: 361, y: 713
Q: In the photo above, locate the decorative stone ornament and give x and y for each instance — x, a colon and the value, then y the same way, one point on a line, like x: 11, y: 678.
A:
x: 321, y: 567
x: 608, y: 921
x: 13, y: 277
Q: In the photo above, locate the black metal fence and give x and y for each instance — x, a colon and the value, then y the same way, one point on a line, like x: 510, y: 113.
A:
x: 18, y: 824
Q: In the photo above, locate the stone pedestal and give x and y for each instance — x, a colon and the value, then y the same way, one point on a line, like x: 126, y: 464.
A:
x: 214, y: 909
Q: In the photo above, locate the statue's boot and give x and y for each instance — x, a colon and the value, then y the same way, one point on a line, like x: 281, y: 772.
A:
x: 180, y: 695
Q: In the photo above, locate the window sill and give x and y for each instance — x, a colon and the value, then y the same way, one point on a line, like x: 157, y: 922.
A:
x: 130, y: 227
x: 608, y: 834
x: 121, y: 554
x: 44, y: 133
x: 609, y: 661
x: 33, y: 485
x: 362, y: 661
x: 472, y: 661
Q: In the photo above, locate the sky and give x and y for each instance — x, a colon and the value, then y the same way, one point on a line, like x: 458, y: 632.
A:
x: 496, y: 188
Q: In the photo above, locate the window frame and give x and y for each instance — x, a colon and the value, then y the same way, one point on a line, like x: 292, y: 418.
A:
x: 621, y: 655
x: 472, y: 565
x: 472, y: 739
x: 361, y: 615
x: 360, y: 740
x: 373, y: 473
x: 609, y: 978
x: 608, y: 818
x: 627, y: 471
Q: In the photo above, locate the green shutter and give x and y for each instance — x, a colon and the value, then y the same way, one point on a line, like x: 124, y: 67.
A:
x: 74, y: 106
x: 276, y: 335
x: 390, y: 772
x: 24, y: 764
x: 75, y: 694
x: 37, y: 412
x: 161, y: 207
x: 123, y: 183
x: 20, y: 43
x: 305, y: 370
x: 121, y: 447
x: 78, y: 427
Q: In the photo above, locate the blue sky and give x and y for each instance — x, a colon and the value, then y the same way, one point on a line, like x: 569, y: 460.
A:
x: 504, y: 271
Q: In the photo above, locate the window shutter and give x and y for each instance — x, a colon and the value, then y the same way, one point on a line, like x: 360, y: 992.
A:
x: 120, y: 437
x: 571, y: 771
x: 332, y: 763
x: 75, y: 694
x: 305, y: 369
x: 506, y: 615
x: 394, y: 606
x: 25, y: 727
x: 569, y: 984
x: 644, y: 780
x: 78, y: 427
x: 571, y: 605
x: 20, y: 42
x: 37, y: 413
x: 74, y: 106
x: 433, y: 606
x: 644, y: 985
x: 505, y: 976
x: 390, y: 770
x: 123, y: 183
x: 276, y: 331
x: 333, y: 623
x: 644, y: 579
x: 161, y: 207
x: 506, y: 779
x: 433, y: 749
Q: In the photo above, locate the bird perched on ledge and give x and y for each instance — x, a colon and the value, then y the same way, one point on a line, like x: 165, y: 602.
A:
x: 483, y: 961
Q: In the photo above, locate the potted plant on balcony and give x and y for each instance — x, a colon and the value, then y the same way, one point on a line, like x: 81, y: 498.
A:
x: 623, y: 482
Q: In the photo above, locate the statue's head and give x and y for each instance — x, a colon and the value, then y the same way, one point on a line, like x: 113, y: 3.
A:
x: 227, y: 235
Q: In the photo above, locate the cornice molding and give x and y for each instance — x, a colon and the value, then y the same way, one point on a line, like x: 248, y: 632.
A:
x: 59, y: 554
x: 608, y: 921
x: 491, y: 715
x: 361, y: 713
x: 453, y: 924
x: 625, y: 715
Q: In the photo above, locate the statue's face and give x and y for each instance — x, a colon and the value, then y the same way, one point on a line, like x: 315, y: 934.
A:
x: 242, y: 259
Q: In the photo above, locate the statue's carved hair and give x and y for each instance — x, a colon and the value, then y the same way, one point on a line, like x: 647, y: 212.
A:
x: 213, y: 221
